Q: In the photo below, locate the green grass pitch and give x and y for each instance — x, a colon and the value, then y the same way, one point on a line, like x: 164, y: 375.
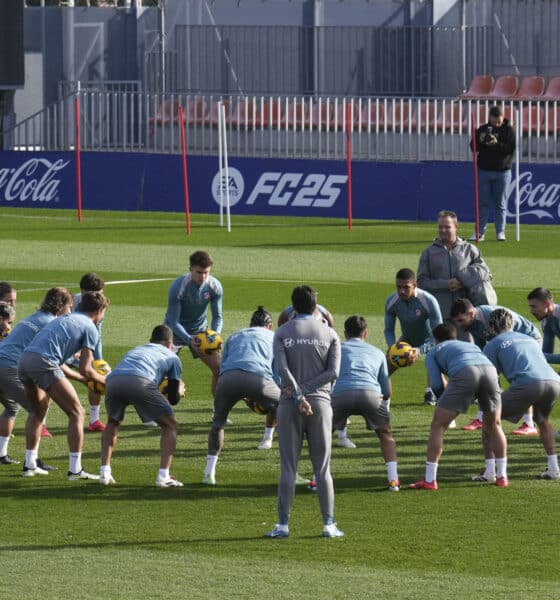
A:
x: 78, y: 540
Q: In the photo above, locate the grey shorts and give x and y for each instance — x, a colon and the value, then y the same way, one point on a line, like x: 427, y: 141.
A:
x: 366, y: 403
x: 12, y: 392
x: 236, y: 385
x: 123, y: 390
x: 474, y: 382
x: 541, y: 395
x: 34, y: 368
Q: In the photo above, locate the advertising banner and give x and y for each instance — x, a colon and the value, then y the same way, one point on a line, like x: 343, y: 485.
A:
x: 258, y: 186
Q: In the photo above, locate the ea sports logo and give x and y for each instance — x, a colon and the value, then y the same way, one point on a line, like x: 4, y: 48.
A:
x: 235, y: 183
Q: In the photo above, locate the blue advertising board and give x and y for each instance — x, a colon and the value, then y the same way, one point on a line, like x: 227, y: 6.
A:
x: 259, y: 186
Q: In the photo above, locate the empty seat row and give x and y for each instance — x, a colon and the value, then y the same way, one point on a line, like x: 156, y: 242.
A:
x: 508, y: 87
x: 385, y: 115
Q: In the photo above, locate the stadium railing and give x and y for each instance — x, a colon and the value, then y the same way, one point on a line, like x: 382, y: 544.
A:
x: 388, y: 128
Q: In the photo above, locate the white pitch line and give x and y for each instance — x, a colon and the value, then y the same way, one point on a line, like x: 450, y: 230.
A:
x: 138, y: 280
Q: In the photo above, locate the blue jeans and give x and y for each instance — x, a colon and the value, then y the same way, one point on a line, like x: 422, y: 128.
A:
x: 492, y: 186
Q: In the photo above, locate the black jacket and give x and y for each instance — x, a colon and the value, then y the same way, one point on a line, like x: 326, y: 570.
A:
x: 500, y: 156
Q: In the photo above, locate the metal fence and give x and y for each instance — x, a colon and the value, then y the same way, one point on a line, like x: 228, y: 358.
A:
x: 396, y: 129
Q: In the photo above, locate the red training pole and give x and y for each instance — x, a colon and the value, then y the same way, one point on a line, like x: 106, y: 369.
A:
x: 349, y: 165
x: 78, y: 157
x: 185, y: 179
x: 475, y: 171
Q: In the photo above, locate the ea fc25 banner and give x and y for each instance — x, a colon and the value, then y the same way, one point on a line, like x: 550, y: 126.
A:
x: 153, y: 182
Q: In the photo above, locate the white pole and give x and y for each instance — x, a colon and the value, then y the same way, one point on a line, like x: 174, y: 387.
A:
x: 220, y: 165
x: 226, y: 166
x: 517, y: 142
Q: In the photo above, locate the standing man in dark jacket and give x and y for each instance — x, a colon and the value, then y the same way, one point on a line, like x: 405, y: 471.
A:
x: 495, y: 145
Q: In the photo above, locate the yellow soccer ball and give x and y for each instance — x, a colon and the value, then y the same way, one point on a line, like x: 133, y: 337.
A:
x: 208, y: 341
x: 399, y: 354
x: 103, y: 368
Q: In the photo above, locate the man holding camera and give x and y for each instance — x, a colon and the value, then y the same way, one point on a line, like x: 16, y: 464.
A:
x: 495, y: 146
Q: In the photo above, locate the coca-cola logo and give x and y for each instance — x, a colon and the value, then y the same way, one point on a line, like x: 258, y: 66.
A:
x: 537, y: 199
x: 33, y: 180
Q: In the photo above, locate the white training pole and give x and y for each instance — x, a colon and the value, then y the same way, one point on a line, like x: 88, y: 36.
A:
x: 226, y: 166
x: 220, y: 165
x: 517, y: 141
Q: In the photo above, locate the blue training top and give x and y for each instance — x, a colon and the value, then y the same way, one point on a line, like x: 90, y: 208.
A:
x: 519, y: 358
x: 151, y: 361
x: 417, y: 317
x: 450, y: 357
x: 362, y: 367
x: 480, y: 329
x: 249, y: 350
x: 22, y: 335
x: 187, y: 305
x: 64, y: 336
x: 551, y: 331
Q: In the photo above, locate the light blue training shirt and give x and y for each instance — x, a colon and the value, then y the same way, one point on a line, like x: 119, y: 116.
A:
x: 151, y: 361
x: 362, y: 367
x: 250, y: 350
x: 21, y: 336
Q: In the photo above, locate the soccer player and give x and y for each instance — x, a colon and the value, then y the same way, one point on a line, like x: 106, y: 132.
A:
x: 187, y: 307
x: 533, y: 382
x: 470, y: 375
x: 245, y: 372
x: 57, y: 301
x: 136, y: 380
x: 542, y: 307
x: 91, y: 282
x: 44, y: 374
x: 7, y: 316
x: 418, y: 313
x: 363, y: 388
x: 8, y: 294
x: 476, y: 322
x: 307, y: 357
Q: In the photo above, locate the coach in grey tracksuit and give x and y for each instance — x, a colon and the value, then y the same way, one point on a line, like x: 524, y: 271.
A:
x: 307, y: 356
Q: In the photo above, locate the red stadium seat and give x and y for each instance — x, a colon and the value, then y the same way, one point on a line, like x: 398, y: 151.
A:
x: 397, y: 115
x: 424, y: 117
x: 552, y: 89
x: 505, y: 87
x: 296, y: 113
x: 450, y: 117
x: 531, y: 88
x: 373, y: 118
x: 196, y: 111
x: 339, y: 115
x: 480, y: 87
x: 321, y: 115
x: 167, y: 111
x: 213, y: 116
x: 270, y: 113
x: 244, y: 114
x: 550, y: 123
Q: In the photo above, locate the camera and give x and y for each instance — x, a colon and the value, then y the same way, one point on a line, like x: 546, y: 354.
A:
x: 488, y: 136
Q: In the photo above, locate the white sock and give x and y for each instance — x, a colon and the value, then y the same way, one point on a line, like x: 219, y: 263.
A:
x: 479, y: 415
x: 211, y: 460
x: 75, y: 459
x: 431, y: 471
x: 501, y: 467
x: 105, y: 471
x: 392, y: 470
x: 342, y: 433
x: 490, y: 468
x: 4, y: 445
x: 268, y: 433
x: 31, y: 459
x: 93, y: 413
x: 528, y: 419
x: 552, y: 463
x: 163, y: 474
